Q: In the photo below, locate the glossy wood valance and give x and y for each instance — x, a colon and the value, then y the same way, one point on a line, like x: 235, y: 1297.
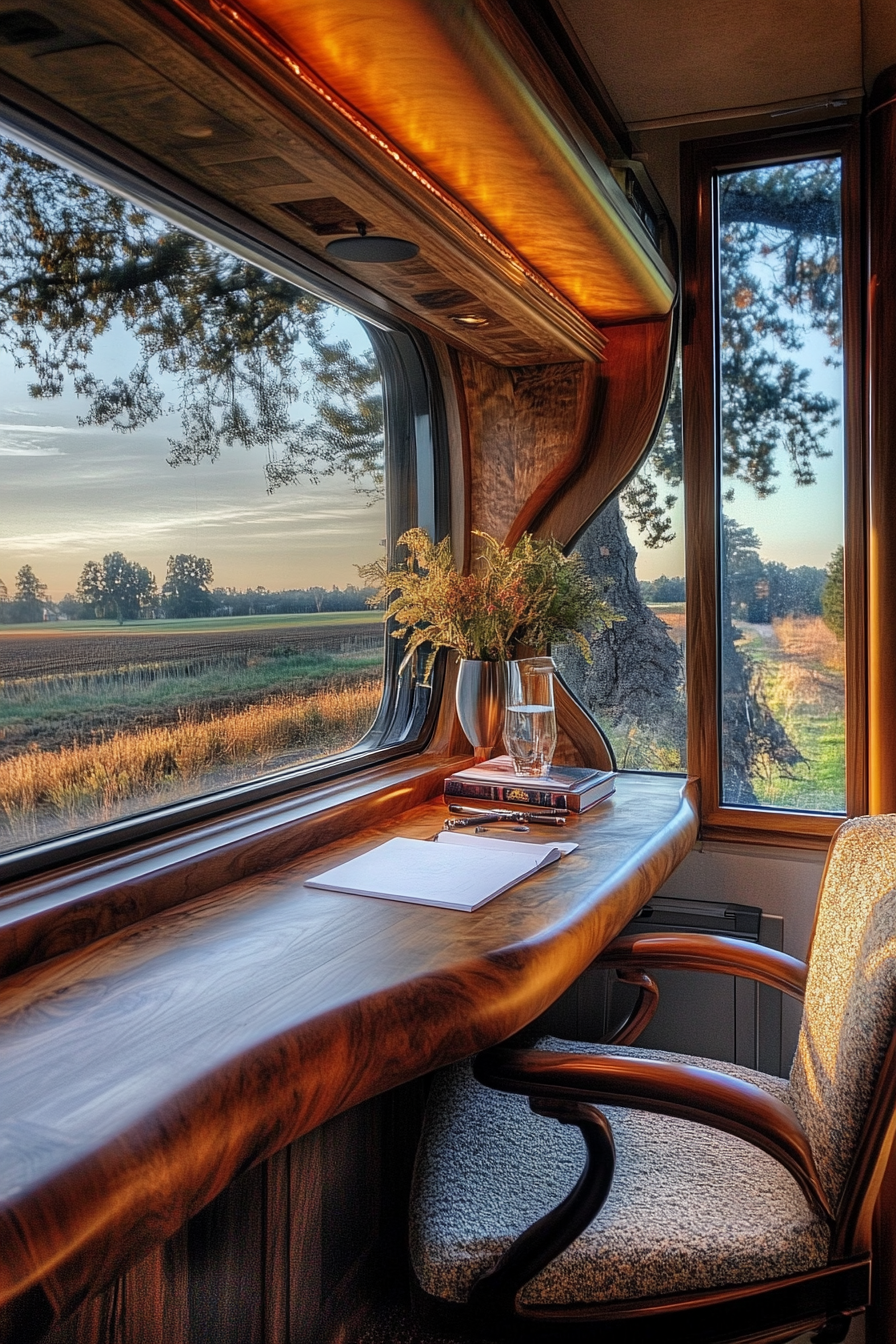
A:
x: 183, y: 111
x: 435, y: 89
x: 140, y: 1074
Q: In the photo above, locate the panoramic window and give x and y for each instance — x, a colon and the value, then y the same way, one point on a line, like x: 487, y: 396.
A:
x: 635, y: 686
x: 781, y: 464
x: 192, y: 468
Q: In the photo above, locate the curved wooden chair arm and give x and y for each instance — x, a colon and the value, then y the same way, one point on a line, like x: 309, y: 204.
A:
x: 707, y: 952
x: 646, y: 1004
x: 494, y: 1292
x: 701, y: 1095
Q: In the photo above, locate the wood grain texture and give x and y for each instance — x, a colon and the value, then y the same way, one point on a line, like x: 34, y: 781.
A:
x: 856, y: 514
x: 46, y: 916
x: 522, y: 425
x: 579, y: 740
x: 708, y: 952
x: 183, y: 58
x: 290, y: 1253
x: 628, y: 399
x: 139, y: 1075
x: 438, y: 92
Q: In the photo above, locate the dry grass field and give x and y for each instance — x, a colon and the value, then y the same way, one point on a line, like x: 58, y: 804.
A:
x: 43, y: 792
x: 101, y: 723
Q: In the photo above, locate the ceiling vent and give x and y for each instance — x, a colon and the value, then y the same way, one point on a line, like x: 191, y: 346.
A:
x: 325, y: 215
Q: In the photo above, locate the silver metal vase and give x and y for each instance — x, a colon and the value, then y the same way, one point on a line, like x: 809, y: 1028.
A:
x: 480, y: 703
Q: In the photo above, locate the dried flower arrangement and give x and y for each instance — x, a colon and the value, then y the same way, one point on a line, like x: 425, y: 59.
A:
x: 530, y: 595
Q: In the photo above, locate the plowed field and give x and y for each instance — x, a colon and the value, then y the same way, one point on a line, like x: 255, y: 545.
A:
x: 48, y: 653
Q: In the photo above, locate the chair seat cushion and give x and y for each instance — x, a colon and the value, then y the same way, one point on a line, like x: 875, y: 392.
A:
x: 690, y: 1207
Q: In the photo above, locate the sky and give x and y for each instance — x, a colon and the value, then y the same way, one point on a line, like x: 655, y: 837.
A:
x: 798, y: 524
x: 72, y: 493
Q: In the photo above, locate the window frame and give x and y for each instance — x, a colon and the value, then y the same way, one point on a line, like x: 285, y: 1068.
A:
x: 701, y: 163
x: 417, y: 489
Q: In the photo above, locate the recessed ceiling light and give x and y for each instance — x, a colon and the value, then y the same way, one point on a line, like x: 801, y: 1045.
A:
x: 196, y: 132
x: 372, y: 247
x: 469, y: 319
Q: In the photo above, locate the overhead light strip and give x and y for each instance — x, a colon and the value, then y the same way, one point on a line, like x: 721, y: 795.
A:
x: 261, y: 34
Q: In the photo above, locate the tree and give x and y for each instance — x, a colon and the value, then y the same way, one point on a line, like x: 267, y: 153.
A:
x: 832, y: 595
x: 31, y: 596
x: 118, y: 588
x: 243, y: 347
x: 633, y: 686
x: 187, y: 588
x: 788, y: 215
x: 73, y: 609
x: 743, y: 573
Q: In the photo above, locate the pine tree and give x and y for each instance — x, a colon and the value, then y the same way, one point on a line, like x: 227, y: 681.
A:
x: 832, y: 605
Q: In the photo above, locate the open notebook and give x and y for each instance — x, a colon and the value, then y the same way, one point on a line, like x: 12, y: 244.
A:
x: 459, y: 872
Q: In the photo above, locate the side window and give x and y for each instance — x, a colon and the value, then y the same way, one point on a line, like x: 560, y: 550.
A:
x: 781, y: 502
x: 773, y: 435
x: 635, y: 686
x: 194, y: 461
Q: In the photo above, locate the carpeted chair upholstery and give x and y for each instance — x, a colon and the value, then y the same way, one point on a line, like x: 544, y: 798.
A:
x: 690, y: 1207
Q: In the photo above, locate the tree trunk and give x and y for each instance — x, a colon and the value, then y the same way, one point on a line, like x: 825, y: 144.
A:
x: 634, y: 687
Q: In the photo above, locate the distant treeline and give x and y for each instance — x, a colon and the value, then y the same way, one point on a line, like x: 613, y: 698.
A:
x: 759, y: 590
x: 229, y: 602
x: 120, y: 589
x: 258, y: 601
x: 663, y: 589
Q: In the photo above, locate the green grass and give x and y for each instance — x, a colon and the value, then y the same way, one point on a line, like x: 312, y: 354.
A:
x: 805, y: 694
x: 207, y: 623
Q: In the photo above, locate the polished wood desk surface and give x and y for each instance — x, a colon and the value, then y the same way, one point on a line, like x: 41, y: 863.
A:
x: 139, y: 1075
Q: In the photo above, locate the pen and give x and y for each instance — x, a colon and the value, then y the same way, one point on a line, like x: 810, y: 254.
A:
x: 455, y: 823
x: 506, y: 812
x: 499, y: 828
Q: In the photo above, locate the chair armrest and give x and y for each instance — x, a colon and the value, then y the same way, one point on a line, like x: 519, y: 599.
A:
x: 707, y: 952
x: 701, y: 1095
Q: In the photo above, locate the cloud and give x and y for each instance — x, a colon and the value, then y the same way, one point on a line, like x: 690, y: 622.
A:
x: 30, y: 440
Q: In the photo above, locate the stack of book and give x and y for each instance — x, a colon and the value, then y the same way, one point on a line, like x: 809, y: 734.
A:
x: 572, y: 787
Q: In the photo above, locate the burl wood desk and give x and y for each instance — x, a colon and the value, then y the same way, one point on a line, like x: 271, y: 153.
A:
x: 141, y: 1073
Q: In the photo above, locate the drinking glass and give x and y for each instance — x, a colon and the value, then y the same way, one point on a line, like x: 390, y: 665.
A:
x: 530, y: 725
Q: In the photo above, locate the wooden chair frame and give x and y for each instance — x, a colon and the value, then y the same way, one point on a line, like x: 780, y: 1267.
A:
x: 569, y: 1087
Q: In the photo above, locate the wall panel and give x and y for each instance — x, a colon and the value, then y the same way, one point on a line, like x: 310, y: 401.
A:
x: 288, y: 1253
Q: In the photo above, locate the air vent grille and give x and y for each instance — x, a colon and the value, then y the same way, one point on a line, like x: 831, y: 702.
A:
x: 325, y: 215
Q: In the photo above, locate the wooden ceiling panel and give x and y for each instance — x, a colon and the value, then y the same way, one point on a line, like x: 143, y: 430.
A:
x: 191, y: 109
x: 436, y: 82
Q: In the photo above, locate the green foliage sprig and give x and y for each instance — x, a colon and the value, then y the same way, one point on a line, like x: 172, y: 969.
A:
x: 532, y: 595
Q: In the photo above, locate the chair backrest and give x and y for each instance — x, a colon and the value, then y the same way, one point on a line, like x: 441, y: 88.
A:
x: 850, y: 1005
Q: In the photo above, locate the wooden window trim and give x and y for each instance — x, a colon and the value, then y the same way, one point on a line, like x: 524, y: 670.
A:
x: 701, y: 160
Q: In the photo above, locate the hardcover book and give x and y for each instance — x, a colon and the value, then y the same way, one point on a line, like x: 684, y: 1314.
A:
x: 575, y: 788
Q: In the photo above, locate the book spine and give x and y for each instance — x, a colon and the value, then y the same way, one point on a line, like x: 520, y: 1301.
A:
x: 509, y: 793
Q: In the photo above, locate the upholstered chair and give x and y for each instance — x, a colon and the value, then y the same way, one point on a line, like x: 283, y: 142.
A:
x: 678, y: 1198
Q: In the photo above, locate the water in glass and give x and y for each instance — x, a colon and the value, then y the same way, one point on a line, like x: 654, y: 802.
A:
x: 530, y: 725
